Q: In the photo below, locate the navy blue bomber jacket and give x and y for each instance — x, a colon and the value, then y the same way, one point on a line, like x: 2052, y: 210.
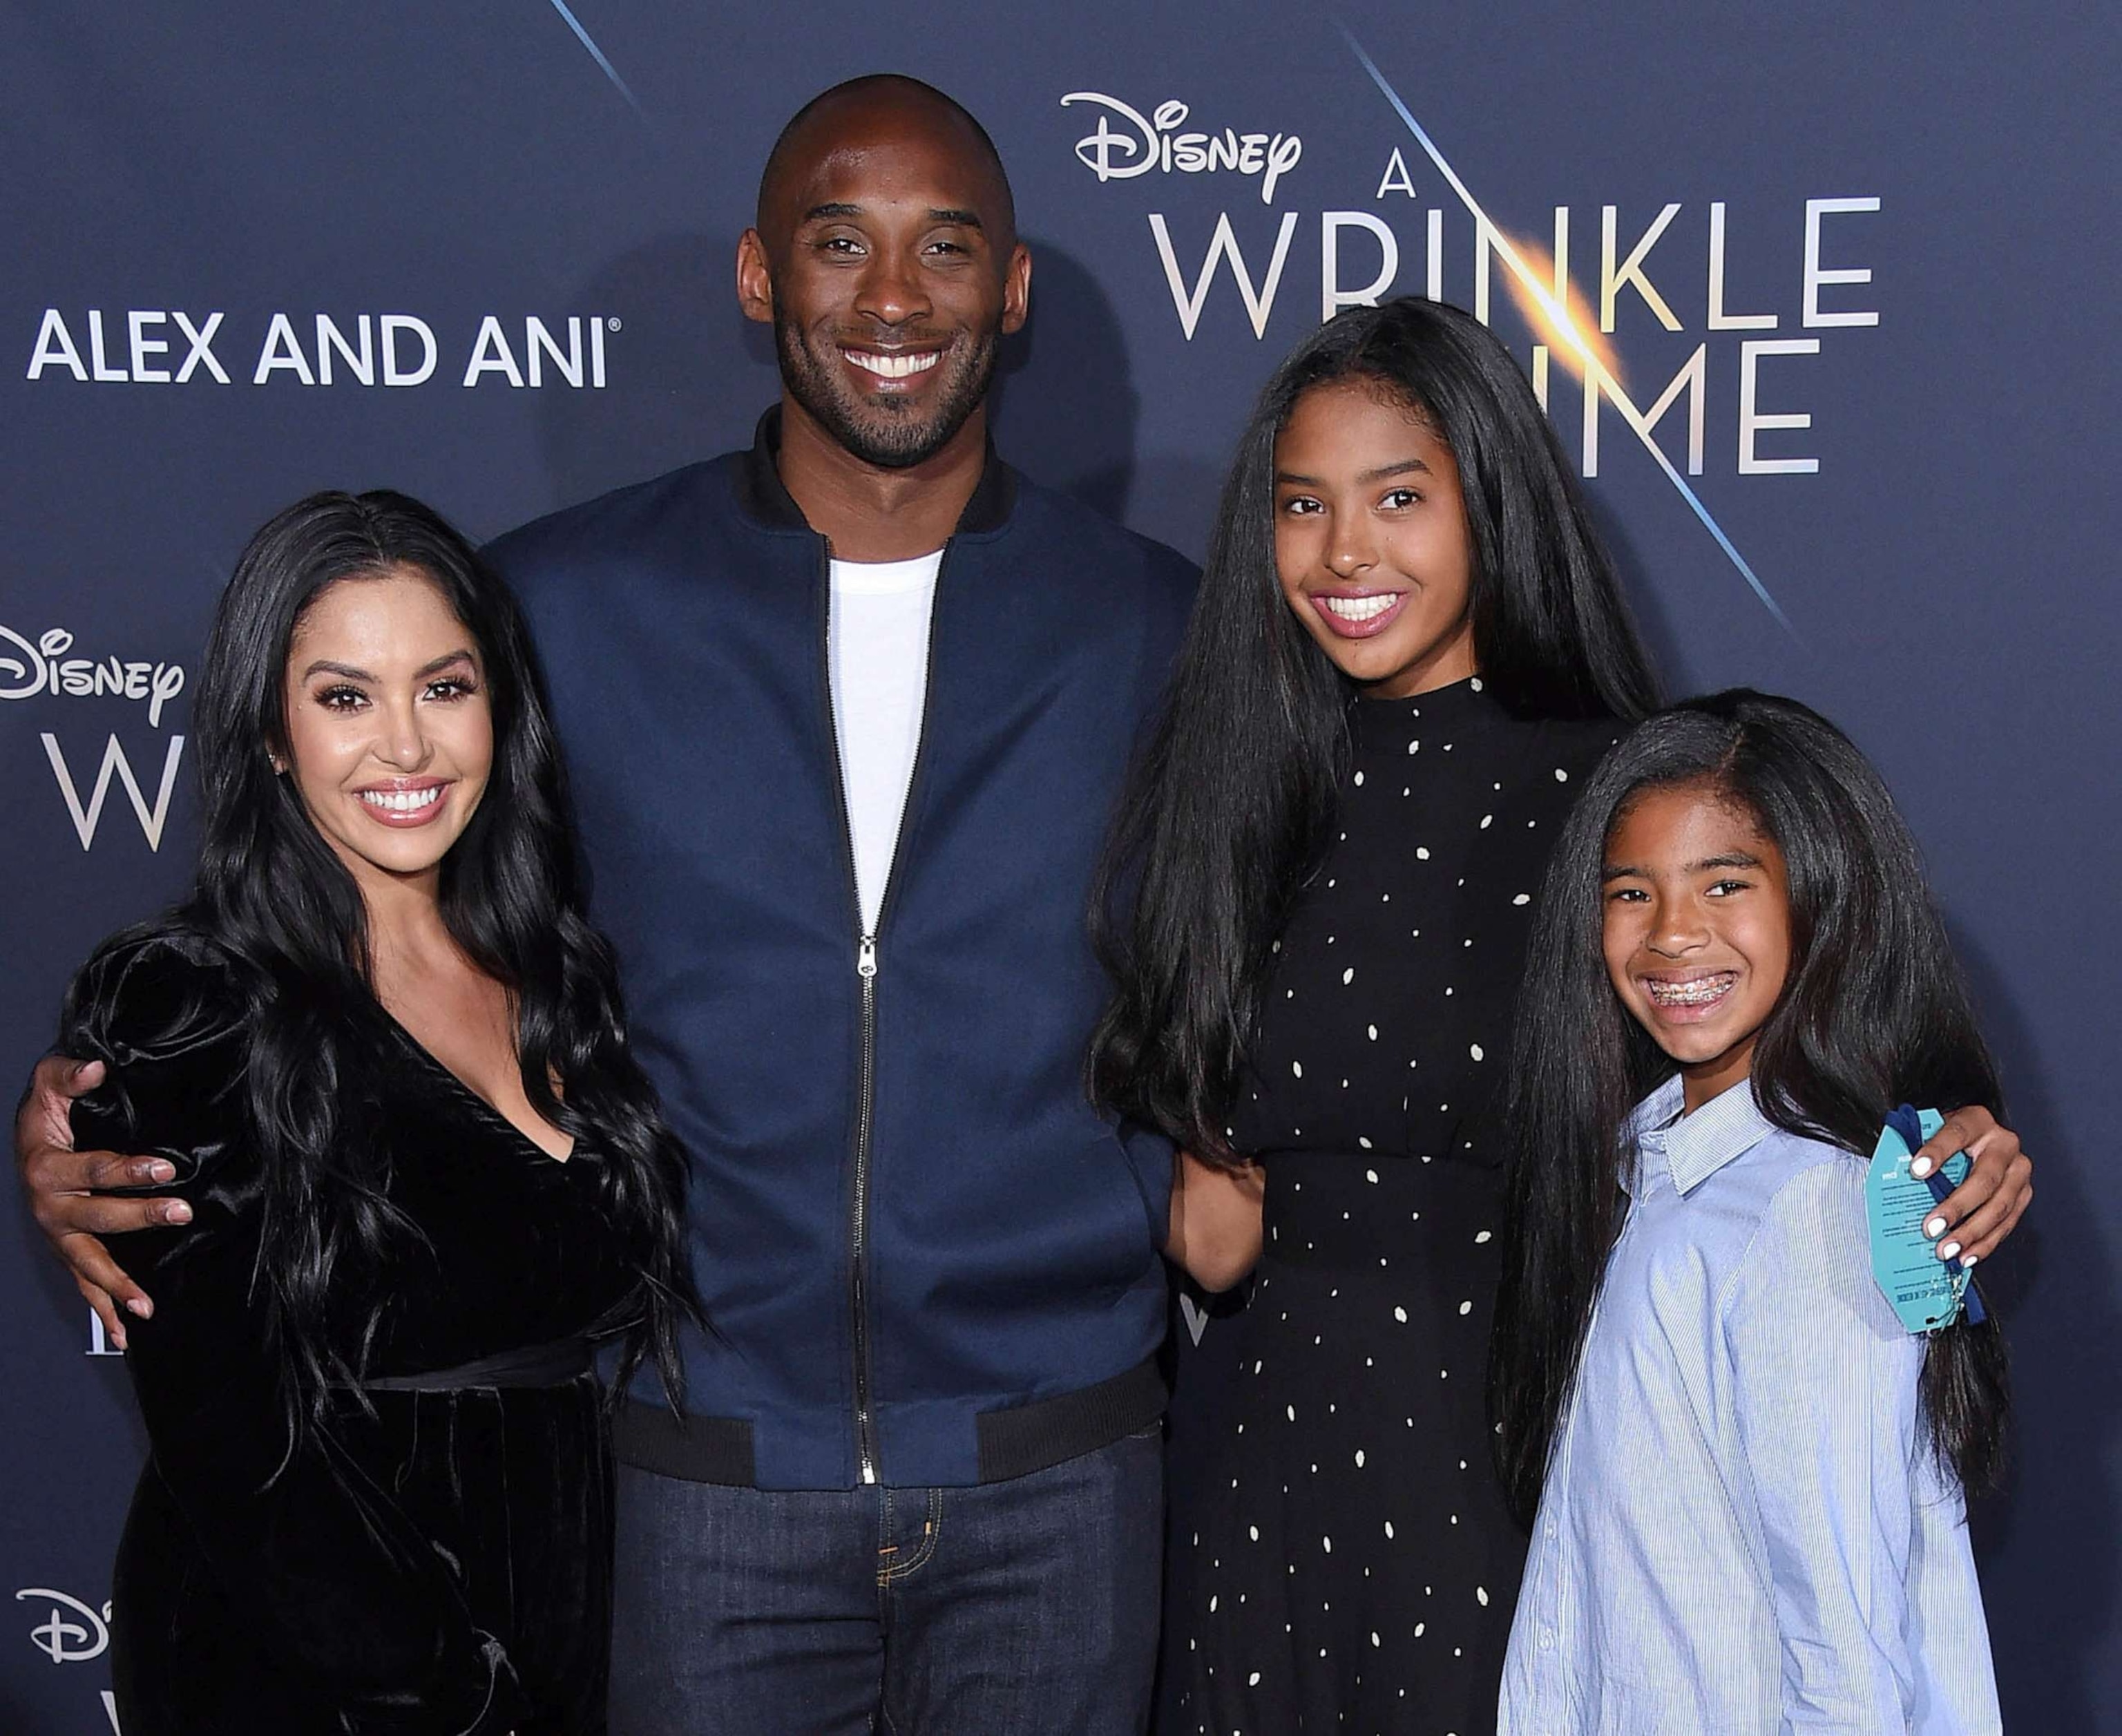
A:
x: 926, y: 1260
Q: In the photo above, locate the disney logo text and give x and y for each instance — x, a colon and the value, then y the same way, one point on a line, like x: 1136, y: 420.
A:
x: 1156, y: 143
x: 45, y: 667
x: 65, y: 1641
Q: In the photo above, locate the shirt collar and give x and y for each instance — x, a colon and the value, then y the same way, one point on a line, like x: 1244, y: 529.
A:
x: 1691, y: 1150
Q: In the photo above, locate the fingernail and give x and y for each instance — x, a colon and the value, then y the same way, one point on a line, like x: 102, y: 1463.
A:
x: 139, y: 1306
x: 161, y: 1170
x: 1920, y: 1168
x: 1968, y: 1263
x: 1950, y: 1250
x: 176, y: 1212
x: 1935, y: 1228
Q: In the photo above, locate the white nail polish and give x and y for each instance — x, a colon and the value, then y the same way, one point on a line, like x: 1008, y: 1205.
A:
x: 1935, y: 1228
x: 1968, y: 1263
x: 1950, y: 1250
x: 1919, y: 1168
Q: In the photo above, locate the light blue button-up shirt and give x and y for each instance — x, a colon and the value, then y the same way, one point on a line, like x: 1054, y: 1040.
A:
x: 1743, y: 1529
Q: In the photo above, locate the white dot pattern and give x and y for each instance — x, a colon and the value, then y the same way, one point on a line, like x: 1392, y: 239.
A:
x: 1336, y: 1565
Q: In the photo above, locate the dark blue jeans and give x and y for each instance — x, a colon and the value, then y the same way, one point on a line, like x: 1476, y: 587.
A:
x: 1029, y: 1606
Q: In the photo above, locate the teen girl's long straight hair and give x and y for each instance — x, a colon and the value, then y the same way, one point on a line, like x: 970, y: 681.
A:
x: 273, y: 897
x: 1233, y: 796
x: 1874, y: 1012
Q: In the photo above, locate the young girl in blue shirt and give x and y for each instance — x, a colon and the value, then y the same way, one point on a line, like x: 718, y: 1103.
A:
x: 1746, y: 1477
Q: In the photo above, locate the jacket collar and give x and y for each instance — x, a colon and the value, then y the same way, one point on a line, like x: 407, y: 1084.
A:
x: 1692, y: 1148
x: 762, y: 498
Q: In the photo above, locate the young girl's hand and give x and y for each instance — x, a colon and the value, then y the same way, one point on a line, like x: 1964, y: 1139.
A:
x: 1973, y: 1220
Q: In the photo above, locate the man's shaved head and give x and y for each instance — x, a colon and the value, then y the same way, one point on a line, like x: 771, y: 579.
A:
x: 879, y: 106
x: 886, y: 257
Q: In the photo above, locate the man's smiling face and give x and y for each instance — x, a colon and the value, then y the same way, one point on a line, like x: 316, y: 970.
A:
x: 886, y: 258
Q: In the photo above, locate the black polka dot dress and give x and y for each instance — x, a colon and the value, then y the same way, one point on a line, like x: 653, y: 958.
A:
x: 1340, y: 1556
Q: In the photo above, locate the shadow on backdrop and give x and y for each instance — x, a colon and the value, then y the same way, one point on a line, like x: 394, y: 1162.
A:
x: 697, y: 373
x: 1065, y: 411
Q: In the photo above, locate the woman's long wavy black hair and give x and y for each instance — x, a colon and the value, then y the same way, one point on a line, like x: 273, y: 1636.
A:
x: 1874, y: 1012
x: 271, y: 895
x: 1234, y: 793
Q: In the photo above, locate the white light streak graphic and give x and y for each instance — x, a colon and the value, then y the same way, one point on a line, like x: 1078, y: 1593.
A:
x: 1597, y: 375
x: 597, y: 55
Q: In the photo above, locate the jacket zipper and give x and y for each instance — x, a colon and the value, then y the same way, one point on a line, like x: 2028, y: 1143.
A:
x: 866, y: 971
x: 858, y: 1208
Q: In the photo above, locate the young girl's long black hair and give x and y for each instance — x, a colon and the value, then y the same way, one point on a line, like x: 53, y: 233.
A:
x: 1234, y: 791
x: 1874, y: 1012
x: 274, y: 898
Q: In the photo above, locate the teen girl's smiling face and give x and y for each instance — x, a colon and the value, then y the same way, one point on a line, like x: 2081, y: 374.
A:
x: 1697, y: 930
x: 1371, y: 542
x: 390, y: 732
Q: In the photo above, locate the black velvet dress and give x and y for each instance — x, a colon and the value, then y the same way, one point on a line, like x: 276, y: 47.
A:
x: 440, y: 1563
x: 1341, y: 1559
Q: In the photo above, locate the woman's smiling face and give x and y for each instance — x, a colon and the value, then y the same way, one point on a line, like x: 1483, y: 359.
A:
x: 390, y: 734
x: 1371, y: 540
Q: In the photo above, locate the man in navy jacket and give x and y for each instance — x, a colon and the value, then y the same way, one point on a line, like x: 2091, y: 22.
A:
x: 920, y: 1466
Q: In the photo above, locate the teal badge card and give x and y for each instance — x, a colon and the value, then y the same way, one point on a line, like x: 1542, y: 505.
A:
x: 1925, y: 1291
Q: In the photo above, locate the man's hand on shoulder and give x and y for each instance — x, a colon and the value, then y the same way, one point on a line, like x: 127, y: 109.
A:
x: 68, y: 1191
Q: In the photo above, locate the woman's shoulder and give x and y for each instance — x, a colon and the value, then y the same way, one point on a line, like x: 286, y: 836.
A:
x: 1579, y: 744
x: 1807, y: 1273
x: 1807, y: 1172
x: 163, y: 1007
x: 1807, y: 1202
x: 1541, y: 763
x: 152, y: 991
x: 1571, y: 745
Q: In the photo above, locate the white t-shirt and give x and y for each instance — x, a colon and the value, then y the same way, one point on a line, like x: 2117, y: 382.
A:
x: 878, y: 630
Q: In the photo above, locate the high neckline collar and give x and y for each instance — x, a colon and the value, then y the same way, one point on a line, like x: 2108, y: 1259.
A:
x: 1465, y: 707
x: 1448, y: 700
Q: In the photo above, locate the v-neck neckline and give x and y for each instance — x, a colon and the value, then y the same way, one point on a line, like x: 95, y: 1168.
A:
x: 450, y: 1077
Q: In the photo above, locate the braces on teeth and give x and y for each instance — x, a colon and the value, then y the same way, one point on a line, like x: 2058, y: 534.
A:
x: 1691, y: 993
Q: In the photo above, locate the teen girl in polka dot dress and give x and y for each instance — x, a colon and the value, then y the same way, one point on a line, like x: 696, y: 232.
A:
x: 1408, y: 652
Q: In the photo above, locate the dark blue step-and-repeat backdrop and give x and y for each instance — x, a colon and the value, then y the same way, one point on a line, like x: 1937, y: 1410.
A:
x: 1820, y: 299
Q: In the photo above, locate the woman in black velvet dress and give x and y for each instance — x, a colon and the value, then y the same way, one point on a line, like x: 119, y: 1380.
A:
x: 1408, y: 652
x: 382, y: 1052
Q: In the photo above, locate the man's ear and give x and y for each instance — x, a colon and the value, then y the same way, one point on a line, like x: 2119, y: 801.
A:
x: 1016, y: 288
x: 754, y: 278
